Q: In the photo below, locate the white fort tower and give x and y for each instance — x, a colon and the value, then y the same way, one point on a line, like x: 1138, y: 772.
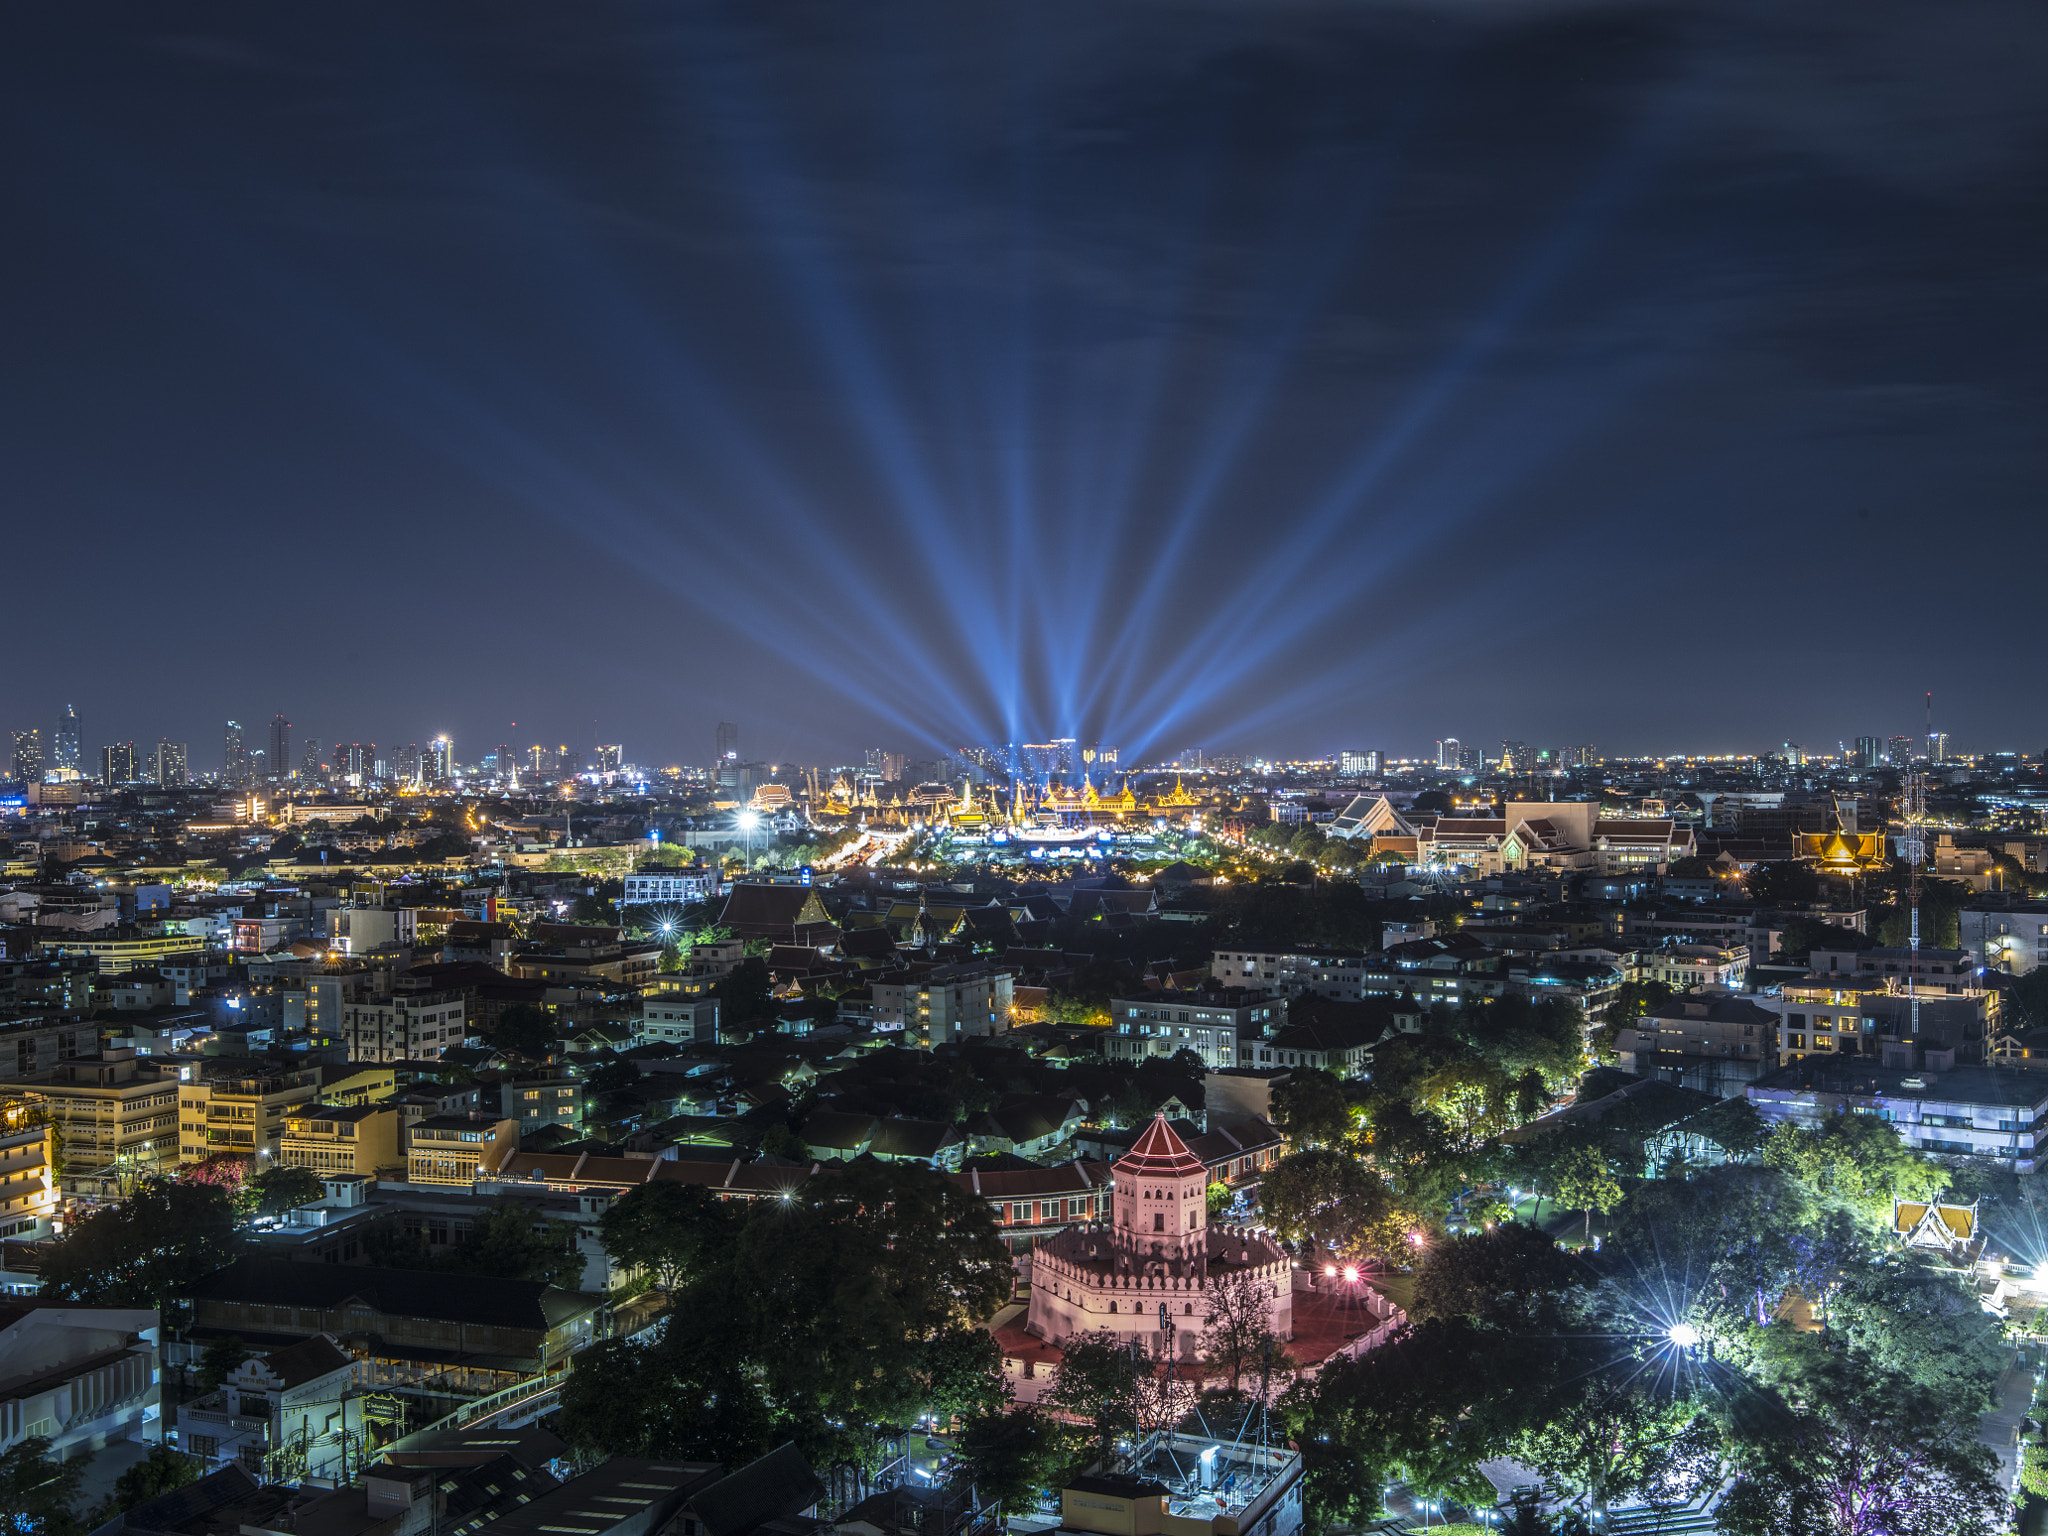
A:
x: 1158, y: 1249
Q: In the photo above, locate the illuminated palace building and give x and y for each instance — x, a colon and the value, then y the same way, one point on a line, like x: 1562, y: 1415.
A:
x: 1158, y: 1252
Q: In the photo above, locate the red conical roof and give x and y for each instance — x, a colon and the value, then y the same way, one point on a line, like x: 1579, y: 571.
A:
x: 1158, y: 1154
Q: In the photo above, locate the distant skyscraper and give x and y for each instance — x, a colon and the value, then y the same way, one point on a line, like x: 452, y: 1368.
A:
x: 28, y: 756
x: 1578, y: 757
x: 1869, y: 752
x: 1937, y: 746
x: 169, y: 769
x: 309, y: 761
x: 728, y: 742
x: 439, y: 766
x: 66, y: 755
x: 608, y: 758
x: 234, y: 755
x: 1899, y: 751
x: 1450, y: 757
x: 355, y: 760
x: 117, y: 764
x: 278, y: 764
x: 540, y: 761
x: 1515, y: 757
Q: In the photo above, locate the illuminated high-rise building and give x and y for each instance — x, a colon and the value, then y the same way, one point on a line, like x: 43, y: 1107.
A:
x: 169, y: 769
x: 310, y: 765
x: 1515, y: 757
x: 1450, y: 756
x: 65, y: 756
x: 278, y: 765
x: 1899, y: 751
x: 28, y: 756
x: 1869, y: 752
x: 728, y: 742
x: 541, y: 761
x: 235, y: 755
x: 1937, y: 746
x: 1578, y: 757
x: 439, y: 766
x: 1354, y: 764
x: 117, y: 764
x: 608, y: 757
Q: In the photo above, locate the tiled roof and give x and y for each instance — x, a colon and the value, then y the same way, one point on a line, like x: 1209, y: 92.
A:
x: 1158, y: 1153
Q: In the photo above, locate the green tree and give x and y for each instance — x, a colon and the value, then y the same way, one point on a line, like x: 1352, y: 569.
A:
x: 1839, y: 1446
x: 1310, y: 1108
x: 525, y: 1030
x: 162, y: 1471
x: 36, y: 1491
x: 1506, y: 1276
x: 278, y: 1189
x: 745, y: 995
x: 668, y: 1230
x: 1783, y: 884
x: 146, y: 1251
x: 1856, y: 1161
x: 1013, y: 1455
x: 1331, y: 1200
x: 509, y: 1242
x: 220, y: 1360
x: 1586, y: 1183
x: 959, y: 1374
x: 1613, y: 1430
x: 1238, y: 1323
x: 1098, y: 1382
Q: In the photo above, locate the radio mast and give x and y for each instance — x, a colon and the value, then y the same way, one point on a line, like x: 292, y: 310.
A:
x: 1913, y: 848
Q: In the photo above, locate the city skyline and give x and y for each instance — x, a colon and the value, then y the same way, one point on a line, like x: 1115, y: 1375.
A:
x: 1237, y: 377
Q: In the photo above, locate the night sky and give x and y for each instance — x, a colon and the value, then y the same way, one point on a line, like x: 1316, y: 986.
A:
x: 1269, y: 376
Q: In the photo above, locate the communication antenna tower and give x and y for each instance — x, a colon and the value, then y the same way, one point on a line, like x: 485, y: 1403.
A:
x: 1913, y: 847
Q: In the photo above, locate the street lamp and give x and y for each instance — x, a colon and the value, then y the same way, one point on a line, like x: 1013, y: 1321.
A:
x: 747, y: 821
x: 1684, y: 1335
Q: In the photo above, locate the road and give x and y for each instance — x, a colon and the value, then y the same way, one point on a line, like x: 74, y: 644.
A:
x: 2000, y: 1428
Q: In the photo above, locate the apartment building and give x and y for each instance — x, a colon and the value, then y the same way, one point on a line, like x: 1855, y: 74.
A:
x: 28, y: 1187
x: 82, y: 1377
x: 418, y: 1027
x: 945, y: 1003
x: 1211, y: 1024
x: 238, y: 1108
x: 1326, y: 972
x: 2011, y: 939
x: 117, y: 1114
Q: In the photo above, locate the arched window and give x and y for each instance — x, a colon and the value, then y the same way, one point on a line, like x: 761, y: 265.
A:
x: 1112, y: 1306
x: 1188, y: 1309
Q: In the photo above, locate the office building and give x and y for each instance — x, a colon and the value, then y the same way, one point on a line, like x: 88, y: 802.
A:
x: 310, y: 765
x: 540, y: 762
x: 608, y: 757
x: 28, y: 756
x: 169, y: 768
x: 1353, y: 764
x: 235, y: 755
x: 117, y: 763
x: 439, y: 766
x: 728, y: 742
x: 279, y: 761
x: 65, y: 757
x: 1937, y: 746
x: 1869, y: 752
x: 1450, y: 756
x: 1578, y: 757
x: 1899, y: 751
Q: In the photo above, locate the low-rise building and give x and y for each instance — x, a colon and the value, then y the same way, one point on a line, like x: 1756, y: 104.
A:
x: 278, y: 1415
x: 1972, y: 1111
x: 1713, y: 1042
x: 81, y: 1377
x: 448, y: 1149
x: 1214, y: 1024
x: 533, y: 1102
x: 363, y: 1139
x: 402, y: 1325
x: 668, y: 1018
x: 1327, y: 972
